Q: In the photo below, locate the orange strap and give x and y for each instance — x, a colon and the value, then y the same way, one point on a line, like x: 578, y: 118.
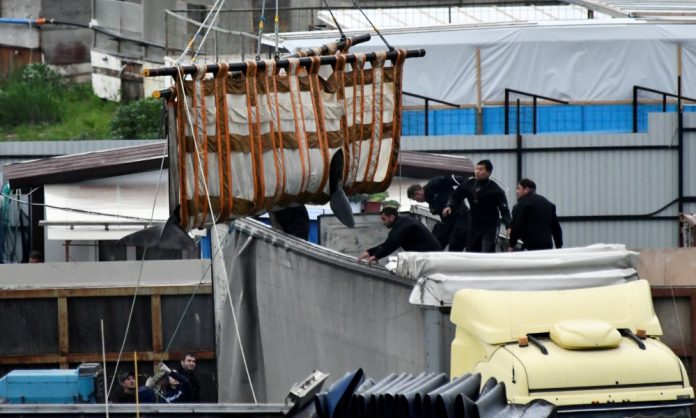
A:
x: 319, y: 118
x: 271, y: 91
x: 181, y: 145
x: 221, y: 129
x: 203, y: 147
x: 255, y: 142
x: 298, y: 115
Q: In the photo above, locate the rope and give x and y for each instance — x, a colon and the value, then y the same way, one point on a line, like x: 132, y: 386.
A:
x: 340, y: 30
x: 207, y: 31
x: 189, y: 46
x: 140, y: 275
x: 391, y: 48
x: 180, y: 80
x: 262, y: 19
x: 219, y: 4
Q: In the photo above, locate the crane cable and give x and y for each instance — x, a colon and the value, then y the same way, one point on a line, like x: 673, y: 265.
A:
x: 391, y: 48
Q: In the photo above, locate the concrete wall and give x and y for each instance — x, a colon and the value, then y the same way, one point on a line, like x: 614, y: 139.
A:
x: 18, y: 35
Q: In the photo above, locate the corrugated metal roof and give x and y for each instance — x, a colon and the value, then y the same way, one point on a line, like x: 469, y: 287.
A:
x: 70, y: 168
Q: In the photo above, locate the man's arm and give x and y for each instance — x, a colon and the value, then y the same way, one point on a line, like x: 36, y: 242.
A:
x: 391, y: 244
x: 504, y: 209
x: 456, y: 199
x: 518, y: 218
x: 556, y: 230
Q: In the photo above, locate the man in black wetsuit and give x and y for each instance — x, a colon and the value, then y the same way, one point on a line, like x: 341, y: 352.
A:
x: 534, y: 220
x: 452, y: 231
x: 404, y: 232
x: 487, y: 204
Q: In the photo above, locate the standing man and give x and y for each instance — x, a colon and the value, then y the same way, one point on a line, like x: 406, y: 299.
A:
x: 404, y: 232
x: 188, y: 365
x: 487, y: 203
x: 534, y: 220
x: 451, y: 232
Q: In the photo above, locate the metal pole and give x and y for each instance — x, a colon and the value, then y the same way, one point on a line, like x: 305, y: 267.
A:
x: 427, y: 111
x: 534, y: 116
x: 106, y: 385
x: 507, y: 111
x: 519, y: 144
x: 664, y: 103
x: 635, y: 109
x: 680, y: 135
x: 282, y: 63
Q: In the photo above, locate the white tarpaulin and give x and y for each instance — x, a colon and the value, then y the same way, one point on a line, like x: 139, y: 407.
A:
x: 440, y: 275
x: 589, y: 61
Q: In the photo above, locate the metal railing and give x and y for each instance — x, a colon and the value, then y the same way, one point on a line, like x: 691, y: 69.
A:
x: 662, y: 102
x: 535, y: 100
x: 427, y: 107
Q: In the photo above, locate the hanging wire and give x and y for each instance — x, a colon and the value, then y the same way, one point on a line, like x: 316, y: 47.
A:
x: 189, y: 46
x: 262, y: 20
x: 276, y: 30
x: 340, y: 30
x: 189, y: 120
x: 391, y: 48
x: 69, y: 209
x: 140, y: 275
x: 210, y: 27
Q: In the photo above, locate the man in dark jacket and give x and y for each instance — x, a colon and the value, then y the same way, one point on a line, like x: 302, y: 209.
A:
x: 487, y: 203
x: 404, y: 232
x: 188, y: 365
x: 534, y: 220
x: 452, y: 231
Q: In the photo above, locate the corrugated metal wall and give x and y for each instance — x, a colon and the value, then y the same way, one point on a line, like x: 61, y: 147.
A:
x: 618, y: 179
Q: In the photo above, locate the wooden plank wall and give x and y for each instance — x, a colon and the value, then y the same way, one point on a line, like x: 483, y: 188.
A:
x: 49, y: 328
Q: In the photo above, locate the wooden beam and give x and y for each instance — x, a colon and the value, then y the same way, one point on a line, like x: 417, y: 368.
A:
x: 97, y: 357
x: 204, y: 289
x: 63, y: 335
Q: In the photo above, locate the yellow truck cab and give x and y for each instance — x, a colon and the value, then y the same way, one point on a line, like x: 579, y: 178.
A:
x: 593, y: 352
x: 575, y: 327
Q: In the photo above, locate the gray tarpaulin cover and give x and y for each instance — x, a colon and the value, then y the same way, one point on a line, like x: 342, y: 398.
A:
x: 438, y: 276
x: 301, y: 307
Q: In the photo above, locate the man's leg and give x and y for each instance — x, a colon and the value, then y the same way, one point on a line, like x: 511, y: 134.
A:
x: 488, y: 239
x: 459, y: 235
x: 474, y: 241
x: 441, y: 233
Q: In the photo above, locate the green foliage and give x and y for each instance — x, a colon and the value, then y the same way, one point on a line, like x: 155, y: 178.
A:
x: 390, y: 204
x: 36, y: 104
x: 85, y: 116
x: 377, y: 197
x: 138, y: 120
x: 31, y: 95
